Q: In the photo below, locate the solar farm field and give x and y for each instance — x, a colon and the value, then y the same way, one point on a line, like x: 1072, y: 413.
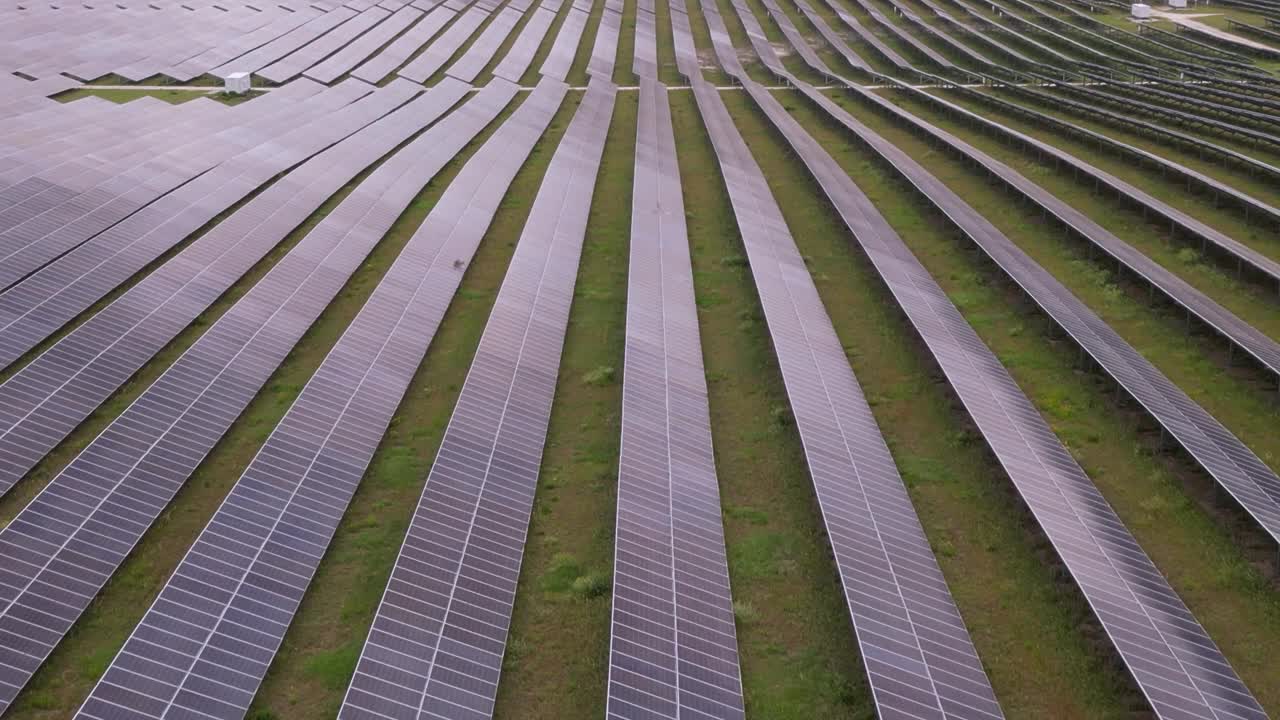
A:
x: 639, y: 360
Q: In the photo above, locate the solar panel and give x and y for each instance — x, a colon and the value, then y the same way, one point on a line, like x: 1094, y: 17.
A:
x: 207, y: 640
x: 281, y: 46
x: 225, y: 52
x: 673, y: 650
x: 645, y: 57
x: 1231, y: 464
x: 478, y: 55
x: 358, y: 51
x: 1170, y: 656
x: 40, y: 287
x: 444, y: 47
x: 436, y: 645
x: 520, y: 56
x: 317, y: 50
x: 63, y: 546
x: 565, y: 49
x: 120, y: 190
x: 682, y: 39
x: 605, y: 49
x: 399, y: 51
x: 1144, y: 618
x: 915, y: 648
x: 50, y: 396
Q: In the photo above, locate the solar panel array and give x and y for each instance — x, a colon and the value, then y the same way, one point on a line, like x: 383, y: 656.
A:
x: 1223, y: 456
x: 51, y: 395
x: 437, y: 641
x: 355, y: 53
x: 93, y: 193
x: 604, y: 50
x: 443, y: 47
x: 560, y: 58
x: 916, y: 650
x: 673, y: 651
x: 1220, y: 189
x: 181, y: 40
x: 280, y: 47
x: 517, y: 60
x: 1227, y: 460
x: 315, y: 51
x: 34, y: 308
x: 486, y: 45
x: 207, y: 641
x: 1176, y: 665
x: 68, y: 541
x: 402, y: 48
x: 86, y: 200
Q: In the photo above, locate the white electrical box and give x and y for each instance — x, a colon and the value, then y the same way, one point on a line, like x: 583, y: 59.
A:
x: 1177, y: 3
x: 237, y: 83
x: 1140, y: 11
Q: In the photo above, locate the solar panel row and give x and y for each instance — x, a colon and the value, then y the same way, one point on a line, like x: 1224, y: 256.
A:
x: 48, y: 156
x: 1231, y: 464
x: 832, y: 38
x: 63, y: 546
x: 673, y: 651
x: 517, y: 60
x: 932, y: 56
x: 1249, y: 203
x: 197, y: 198
x: 1193, y: 140
x: 47, y: 398
x: 74, y: 217
x: 226, y: 50
x: 1185, y: 222
x: 282, y: 46
x: 207, y: 641
x: 356, y: 52
x: 1222, y: 455
x: 54, y: 187
x: 563, y: 51
x: 682, y: 39
x: 317, y: 50
x: 605, y: 48
x: 916, y: 650
x: 52, y: 158
x: 184, y: 41
x: 436, y: 645
x: 1169, y: 654
x: 441, y: 49
x: 645, y: 58
x: 399, y: 51
x: 1177, y: 666
x: 486, y: 45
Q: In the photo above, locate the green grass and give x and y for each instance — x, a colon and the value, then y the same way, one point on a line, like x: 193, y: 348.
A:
x: 73, y: 667
x: 623, y: 61
x: 319, y: 652
x: 798, y: 655
x: 556, y: 665
x: 174, y: 97
x: 1209, y: 561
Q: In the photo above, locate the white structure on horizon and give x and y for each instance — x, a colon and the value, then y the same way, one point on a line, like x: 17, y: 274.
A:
x: 238, y: 82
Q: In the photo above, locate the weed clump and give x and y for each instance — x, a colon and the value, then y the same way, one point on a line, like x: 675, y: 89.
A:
x: 603, y: 375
